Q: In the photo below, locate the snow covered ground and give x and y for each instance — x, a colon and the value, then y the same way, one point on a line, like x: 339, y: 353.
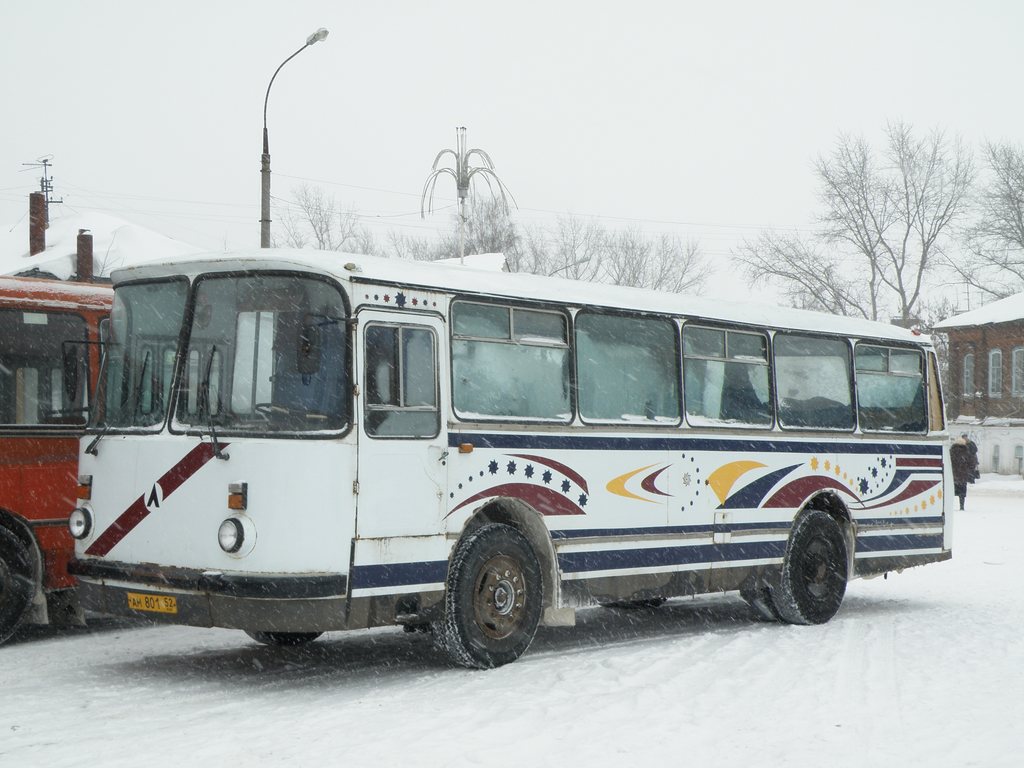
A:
x: 925, y: 668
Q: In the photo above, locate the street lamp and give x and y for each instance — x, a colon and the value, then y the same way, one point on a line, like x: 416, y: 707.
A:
x: 316, y: 37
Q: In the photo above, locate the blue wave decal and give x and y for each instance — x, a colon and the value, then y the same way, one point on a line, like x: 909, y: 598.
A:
x: 751, y: 496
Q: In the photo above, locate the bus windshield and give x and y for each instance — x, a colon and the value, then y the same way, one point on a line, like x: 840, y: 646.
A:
x: 145, y: 327
x: 266, y: 353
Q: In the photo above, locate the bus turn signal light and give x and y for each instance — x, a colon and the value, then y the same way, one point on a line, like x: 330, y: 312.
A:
x: 84, y: 487
x: 238, y: 496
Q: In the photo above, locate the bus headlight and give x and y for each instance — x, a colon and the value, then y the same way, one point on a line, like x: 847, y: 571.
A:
x: 80, y: 523
x: 231, y: 535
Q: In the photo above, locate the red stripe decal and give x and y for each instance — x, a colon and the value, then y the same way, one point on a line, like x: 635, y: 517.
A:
x: 649, y: 486
x: 558, y: 467
x: 168, y: 483
x: 794, y: 494
x: 914, y: 488
x: 918, y: 463
x: 547, y: 501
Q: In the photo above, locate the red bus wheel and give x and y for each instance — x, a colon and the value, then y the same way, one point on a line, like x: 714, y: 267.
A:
x: 16, y: 584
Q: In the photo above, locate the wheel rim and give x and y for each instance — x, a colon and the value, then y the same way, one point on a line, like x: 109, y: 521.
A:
x: 500, y: 597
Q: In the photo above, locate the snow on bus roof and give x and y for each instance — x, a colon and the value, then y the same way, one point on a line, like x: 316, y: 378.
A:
x: 463, y: 279
x: 54, y: 293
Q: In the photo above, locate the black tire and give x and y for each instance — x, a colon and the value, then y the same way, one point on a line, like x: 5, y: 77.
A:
x: 493, y: 600
x: 813, y: 579
x: 16, y: 583
x: 284, y: 639
x: 759, y: 597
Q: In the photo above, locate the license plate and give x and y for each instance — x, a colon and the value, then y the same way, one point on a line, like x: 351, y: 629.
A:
x: 152, y: 603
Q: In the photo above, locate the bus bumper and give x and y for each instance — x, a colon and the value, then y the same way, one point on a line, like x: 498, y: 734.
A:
x: 264, y: 603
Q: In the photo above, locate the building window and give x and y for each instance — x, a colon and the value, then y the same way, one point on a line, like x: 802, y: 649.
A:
x: 1017, y: 375
x: 995, y: 458
x: 969, y: 374
x: 995, y: 373
x: 1018, y: 456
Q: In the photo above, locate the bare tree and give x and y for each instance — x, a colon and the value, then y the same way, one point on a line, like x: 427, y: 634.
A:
x: 665, y: 263
x: 316, y: 221
x: 891, y: 213
x: 995, y: 243
x: 572, y: 248
x: 810, y: 279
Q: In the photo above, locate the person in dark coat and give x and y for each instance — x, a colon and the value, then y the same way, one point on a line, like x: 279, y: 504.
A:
x: 965, y: 467
x: 972, y: 448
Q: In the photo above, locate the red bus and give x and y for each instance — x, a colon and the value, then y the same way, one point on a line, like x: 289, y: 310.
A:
x: 49, y: 358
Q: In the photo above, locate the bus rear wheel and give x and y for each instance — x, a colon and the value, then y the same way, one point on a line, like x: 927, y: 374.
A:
x: 284, y: 639
x: 813, y: 580
x: 493, y: 598
x: 16, y: 583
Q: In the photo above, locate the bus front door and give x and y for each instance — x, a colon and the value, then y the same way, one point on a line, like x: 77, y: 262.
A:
x: 403, y: 439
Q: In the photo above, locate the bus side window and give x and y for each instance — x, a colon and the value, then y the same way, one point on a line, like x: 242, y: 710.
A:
x: 890, y: 389
x: 401, y: 382
x: 726, y: 377
x: 627, y: 368
x: 812, y: 377
x: 510, y: 363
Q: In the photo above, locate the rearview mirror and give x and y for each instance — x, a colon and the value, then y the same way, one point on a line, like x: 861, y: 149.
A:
x: 310, y: 347
x: 71, y: 363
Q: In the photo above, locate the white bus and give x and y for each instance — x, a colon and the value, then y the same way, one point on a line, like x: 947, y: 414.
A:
x: 293, y: 442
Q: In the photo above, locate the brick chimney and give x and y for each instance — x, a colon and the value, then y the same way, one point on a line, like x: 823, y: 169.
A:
x: 83, y: 262
x: 36, y: 223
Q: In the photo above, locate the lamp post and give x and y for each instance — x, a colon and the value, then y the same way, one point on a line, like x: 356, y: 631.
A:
x: 316, y: 37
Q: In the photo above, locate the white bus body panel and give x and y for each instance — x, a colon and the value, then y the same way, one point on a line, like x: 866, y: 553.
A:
x: 300, y: 502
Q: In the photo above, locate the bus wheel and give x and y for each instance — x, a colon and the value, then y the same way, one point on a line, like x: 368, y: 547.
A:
x: 813, y: 579
x: 284, y: 639
x: 16, y: 584
x: 493, y: 598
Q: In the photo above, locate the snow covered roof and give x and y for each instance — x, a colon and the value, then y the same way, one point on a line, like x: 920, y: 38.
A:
x: 467, y: 280
x: 1005, y: 310
x: 27, y: 291
x: 116, y: 243
x: 495, y: 262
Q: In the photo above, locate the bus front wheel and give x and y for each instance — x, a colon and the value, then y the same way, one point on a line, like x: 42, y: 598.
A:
x: 16, y: 584
x: 493, y: 598
x: 813, y: 580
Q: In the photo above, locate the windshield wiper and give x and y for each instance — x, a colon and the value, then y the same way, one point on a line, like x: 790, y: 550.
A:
x: 137, y: 390
x: 91, y: 448
x: 204, y: 404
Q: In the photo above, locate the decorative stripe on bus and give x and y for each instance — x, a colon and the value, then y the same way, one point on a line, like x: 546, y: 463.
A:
x: 366, y: 577
x: 706, y: 554
x: 771, y: 443
x: 768, y: 526
x: 399, y: 574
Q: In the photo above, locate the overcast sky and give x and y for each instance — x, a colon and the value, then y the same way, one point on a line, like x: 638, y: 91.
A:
x: 699, y: 118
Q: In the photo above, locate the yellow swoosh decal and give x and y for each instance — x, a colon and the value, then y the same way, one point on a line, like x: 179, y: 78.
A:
x: 723, y: 478
x: 617, y: 485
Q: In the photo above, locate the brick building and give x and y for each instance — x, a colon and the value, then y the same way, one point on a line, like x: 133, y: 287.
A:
x: 985, y: 397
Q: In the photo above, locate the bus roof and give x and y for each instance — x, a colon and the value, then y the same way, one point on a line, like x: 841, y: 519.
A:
x: 54, y: 294
x: 464, y: 280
